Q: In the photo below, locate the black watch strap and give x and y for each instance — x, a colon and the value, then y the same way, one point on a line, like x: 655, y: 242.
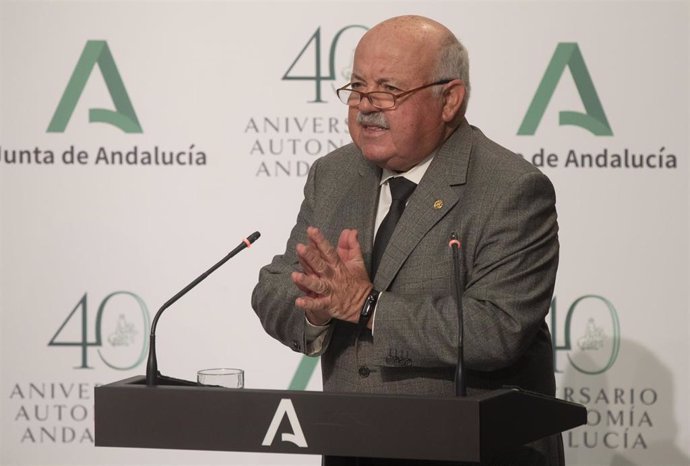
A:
x: 368, y: 309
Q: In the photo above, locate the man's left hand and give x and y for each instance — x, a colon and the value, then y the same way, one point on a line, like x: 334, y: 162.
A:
x: 334, y: 281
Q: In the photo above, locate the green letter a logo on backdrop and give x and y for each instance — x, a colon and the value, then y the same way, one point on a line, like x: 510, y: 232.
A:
x: 594, y: 120
x: 96, y: 52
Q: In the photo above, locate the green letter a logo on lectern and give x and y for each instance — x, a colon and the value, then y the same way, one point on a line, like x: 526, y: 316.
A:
x: 594, y: 120
x: 96, y: 52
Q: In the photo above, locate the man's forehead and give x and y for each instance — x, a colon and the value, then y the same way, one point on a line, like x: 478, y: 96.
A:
x: 389, y: 64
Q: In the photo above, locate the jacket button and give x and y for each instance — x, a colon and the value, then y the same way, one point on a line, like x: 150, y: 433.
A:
x: 295, y: 345
x: 364, y: 371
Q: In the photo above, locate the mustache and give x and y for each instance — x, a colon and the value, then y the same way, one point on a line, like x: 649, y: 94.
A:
x: 373, y: 119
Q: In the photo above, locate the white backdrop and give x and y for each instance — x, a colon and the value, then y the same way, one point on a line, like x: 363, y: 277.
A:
x: 208, y: 79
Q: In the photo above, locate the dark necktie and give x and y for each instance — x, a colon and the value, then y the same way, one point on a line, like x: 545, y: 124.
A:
x: 401, y: 189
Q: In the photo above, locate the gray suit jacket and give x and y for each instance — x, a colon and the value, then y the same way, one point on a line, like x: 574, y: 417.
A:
x: 503, y: 210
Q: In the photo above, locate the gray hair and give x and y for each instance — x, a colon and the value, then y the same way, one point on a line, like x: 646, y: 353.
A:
x: 454, y: 63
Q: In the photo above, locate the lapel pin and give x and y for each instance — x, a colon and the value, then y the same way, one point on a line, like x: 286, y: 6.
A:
x: 438, y: 204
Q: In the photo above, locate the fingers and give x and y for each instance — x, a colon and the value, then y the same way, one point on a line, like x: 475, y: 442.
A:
x: 334, y: 280
x: 310, y: 284
x: 316, y: 298
x: 314, y: 305
x: 307, y: 267
x: 325, y: 249
x: 307, y: 292
x: 318, y: 257
x: 348, y: 246
x: 312, y: 261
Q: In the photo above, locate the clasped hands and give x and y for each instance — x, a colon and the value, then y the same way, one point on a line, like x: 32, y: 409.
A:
x: 334, y: 280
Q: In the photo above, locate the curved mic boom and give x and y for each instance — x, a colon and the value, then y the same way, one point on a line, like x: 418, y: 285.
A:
x: 152, y: 373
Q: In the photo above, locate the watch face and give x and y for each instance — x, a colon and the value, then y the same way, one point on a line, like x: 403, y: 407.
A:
x: 369, y: 303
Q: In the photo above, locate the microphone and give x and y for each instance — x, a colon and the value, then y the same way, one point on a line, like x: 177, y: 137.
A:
x: 460, y: 383
x: 152, y: 373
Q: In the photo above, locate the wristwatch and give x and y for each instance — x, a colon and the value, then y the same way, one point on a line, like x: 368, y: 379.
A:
x: 368, y: 308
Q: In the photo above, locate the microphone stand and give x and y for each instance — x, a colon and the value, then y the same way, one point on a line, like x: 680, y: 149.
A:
x: 152, y: 374
x: 460, y: 382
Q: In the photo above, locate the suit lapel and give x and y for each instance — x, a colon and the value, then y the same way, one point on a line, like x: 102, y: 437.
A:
x: 365, y: 195
x: 430, y: 202
x: 356, y: 205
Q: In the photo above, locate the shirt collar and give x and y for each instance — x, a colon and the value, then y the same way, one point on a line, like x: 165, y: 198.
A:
x: 414, y: 174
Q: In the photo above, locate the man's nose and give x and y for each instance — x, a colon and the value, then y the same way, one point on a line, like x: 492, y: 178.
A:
x: 365, y: 105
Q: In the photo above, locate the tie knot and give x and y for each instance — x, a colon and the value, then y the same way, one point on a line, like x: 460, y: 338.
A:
x: 401, y: 188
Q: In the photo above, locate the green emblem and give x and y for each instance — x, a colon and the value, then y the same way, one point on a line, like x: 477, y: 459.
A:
x: 593, y: 120
x: 96, y: 52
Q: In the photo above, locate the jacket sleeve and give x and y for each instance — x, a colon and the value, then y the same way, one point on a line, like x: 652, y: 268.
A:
x: 274, y: 296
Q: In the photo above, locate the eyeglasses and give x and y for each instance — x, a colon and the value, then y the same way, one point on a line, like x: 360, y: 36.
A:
x: 379, y: 99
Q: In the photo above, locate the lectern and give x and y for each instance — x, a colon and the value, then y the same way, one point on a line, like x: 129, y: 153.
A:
x: 187, y: 416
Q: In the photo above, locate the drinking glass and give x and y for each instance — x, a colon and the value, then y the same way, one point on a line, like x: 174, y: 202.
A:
x: 221, y: 377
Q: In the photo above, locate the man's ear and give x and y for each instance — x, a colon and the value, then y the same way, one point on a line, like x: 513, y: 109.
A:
x: 453, y: 96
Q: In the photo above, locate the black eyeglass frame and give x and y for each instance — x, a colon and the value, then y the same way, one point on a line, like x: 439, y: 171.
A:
x: 395, y: 97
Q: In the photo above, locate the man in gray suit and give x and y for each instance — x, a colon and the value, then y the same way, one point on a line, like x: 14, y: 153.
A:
x: 394, y: 329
